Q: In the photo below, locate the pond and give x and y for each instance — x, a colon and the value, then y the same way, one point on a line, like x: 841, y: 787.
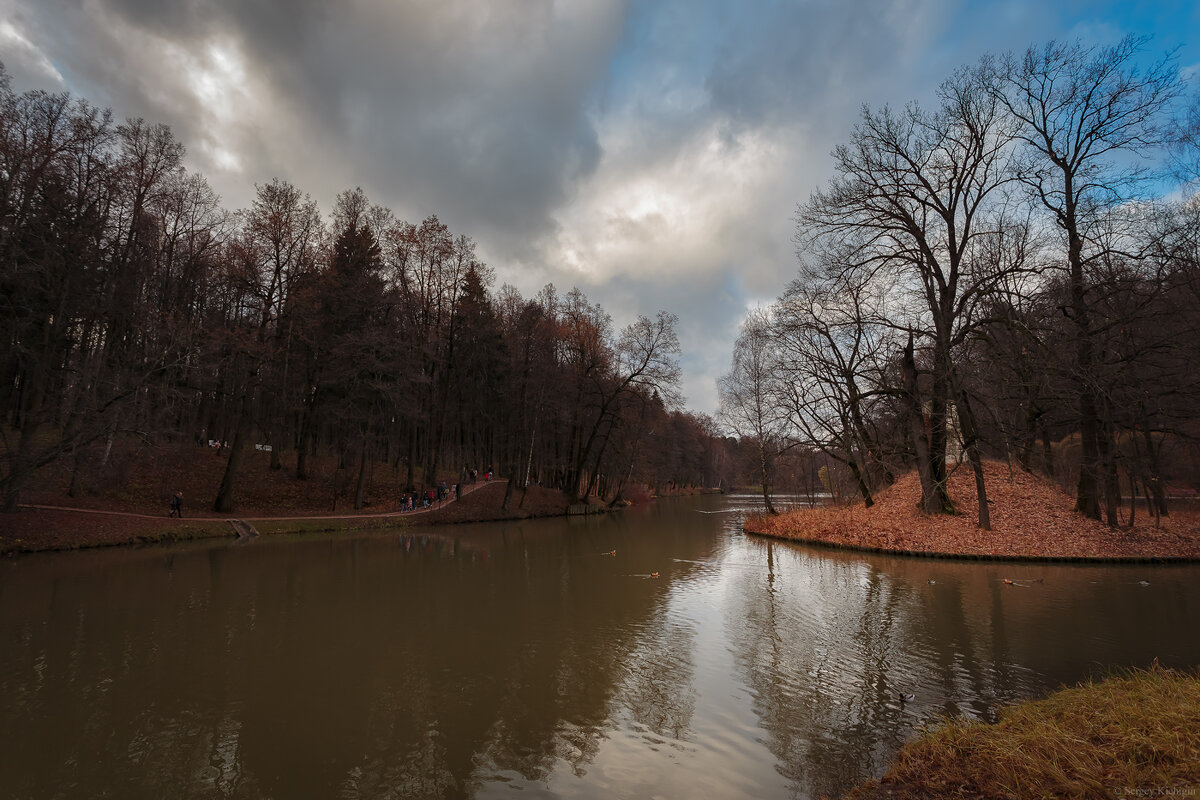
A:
x: 528, y: 660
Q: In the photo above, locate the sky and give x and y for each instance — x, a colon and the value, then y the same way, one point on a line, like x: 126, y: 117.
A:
x: 650, y: 153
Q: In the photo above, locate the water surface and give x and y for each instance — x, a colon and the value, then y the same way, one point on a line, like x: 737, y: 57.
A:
x: 521, y: 660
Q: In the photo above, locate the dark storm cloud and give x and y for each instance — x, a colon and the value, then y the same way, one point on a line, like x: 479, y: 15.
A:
x: 476, y: 111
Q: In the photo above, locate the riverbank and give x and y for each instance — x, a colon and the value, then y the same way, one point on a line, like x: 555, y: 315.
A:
x: 36, y: 529
x: 117, y: 496
x: 1135, y: 734
x: 1031, y: 519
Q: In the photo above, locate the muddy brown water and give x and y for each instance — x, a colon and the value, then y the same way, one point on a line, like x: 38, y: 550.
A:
x: 519, y: 660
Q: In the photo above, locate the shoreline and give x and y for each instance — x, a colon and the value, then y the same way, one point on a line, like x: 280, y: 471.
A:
x: 41, y: 528
x: 44, y: 527
x: 1033, y: 520
x: 990, y: 557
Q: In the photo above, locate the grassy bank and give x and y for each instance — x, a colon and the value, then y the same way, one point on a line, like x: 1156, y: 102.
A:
x: 1135, y: 734
x: 1031, y: 518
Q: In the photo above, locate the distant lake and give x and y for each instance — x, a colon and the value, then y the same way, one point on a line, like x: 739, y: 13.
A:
x: 521, y: 660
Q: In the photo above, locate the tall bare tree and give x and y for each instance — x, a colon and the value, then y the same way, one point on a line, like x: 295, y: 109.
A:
x: 750, y: 396
x: 1087, y: 117
x: 919, y: 191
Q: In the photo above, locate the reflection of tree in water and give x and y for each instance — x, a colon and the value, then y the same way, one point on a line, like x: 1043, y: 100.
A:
x: 354, y: 668
x: 827, y: 646
x: 818, y: 671
x: 494, y: 682
x: 657, y: 692
x: 514, y: 671
x: 828, y: 641
x: 966, y: 658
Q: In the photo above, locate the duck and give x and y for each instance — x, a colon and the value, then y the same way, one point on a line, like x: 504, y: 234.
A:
x: 906, y: 698
x: 653, y: 574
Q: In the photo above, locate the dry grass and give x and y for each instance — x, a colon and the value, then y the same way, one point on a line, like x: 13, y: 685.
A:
x: 1136, y: 734
x: 1031, y: 517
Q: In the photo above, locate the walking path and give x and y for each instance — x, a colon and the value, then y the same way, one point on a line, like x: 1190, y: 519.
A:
x: 450, y: 498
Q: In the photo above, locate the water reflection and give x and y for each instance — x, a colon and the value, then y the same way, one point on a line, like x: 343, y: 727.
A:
x: 829, y: 642
x: 477, y: 661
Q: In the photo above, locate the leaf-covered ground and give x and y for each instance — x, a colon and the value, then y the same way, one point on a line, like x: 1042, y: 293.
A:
x: 1031, y: 517
x: 126, y: 500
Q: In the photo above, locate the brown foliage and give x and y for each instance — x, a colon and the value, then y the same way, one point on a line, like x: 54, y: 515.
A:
x: 1031, y: 517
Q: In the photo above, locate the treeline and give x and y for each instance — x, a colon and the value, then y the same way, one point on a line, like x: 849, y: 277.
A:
x: 1001, y: 275
x: 132, y: 303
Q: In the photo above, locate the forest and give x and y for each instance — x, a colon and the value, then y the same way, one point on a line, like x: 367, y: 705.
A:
x: 135, y: 308
x: 1011, y: 273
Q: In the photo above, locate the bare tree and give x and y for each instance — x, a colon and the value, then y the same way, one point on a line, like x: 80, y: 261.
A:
x: 832, y: 344
x: 1085, y: 115
x: 641, y: 363
x: 749, y: 396
x: 919, y: 191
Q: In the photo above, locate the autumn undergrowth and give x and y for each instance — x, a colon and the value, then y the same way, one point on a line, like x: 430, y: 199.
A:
x: 1133, y: 734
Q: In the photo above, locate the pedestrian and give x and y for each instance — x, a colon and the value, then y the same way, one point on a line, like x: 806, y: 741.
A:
x: 177, y: 505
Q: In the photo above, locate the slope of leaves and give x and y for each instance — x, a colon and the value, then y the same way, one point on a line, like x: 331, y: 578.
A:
x: 1031, y: 517
x: 126, y: 501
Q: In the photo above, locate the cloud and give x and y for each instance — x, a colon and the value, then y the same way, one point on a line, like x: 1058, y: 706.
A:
x: 716, y: 124
x: 476, y: 111
x: 21, y: 57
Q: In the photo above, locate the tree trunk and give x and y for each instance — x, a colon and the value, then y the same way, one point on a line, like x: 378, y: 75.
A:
x: 861, y: 481
x: 307, y: 436
x: 76, y: 467
x: 938, y: 408
x: 1112, y: 489
x: 1047, y: 451
x: 224, y: 503
x: 1133, y: 498
x: 360, y: 488
x: 917, y: 428
x: 1154, y: 483
x: 1087, y: 494
x: 763, y: 468
x: 18, y: 467
x: 966, y: 419
x: 273, y: 441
